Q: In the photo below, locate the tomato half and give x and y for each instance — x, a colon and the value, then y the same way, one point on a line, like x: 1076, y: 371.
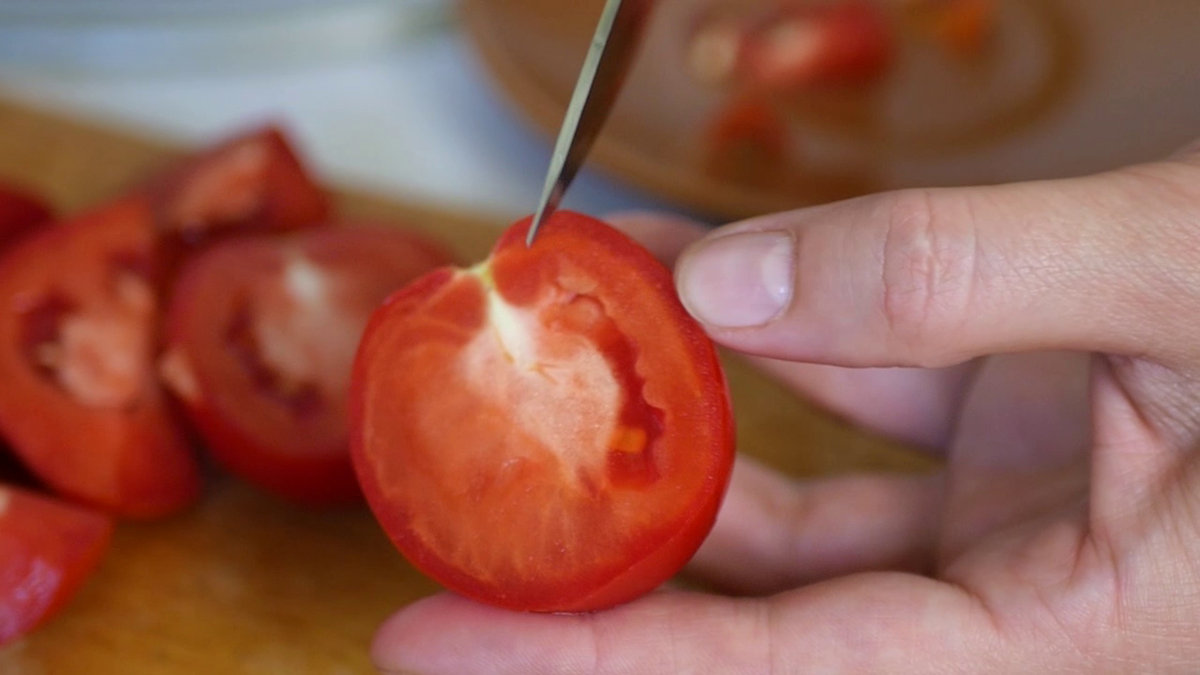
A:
x: 20, y: 212
x: 80, y: 403
x: 48, y: 549
x: 800, y: 46
x: 251, y: 182
x: 262, y: 333
x: 547, y: 431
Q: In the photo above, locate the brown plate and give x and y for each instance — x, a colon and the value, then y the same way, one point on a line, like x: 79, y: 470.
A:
x: 1066, y: 87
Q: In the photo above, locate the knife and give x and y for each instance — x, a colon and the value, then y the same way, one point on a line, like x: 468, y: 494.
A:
x: 617, y: 38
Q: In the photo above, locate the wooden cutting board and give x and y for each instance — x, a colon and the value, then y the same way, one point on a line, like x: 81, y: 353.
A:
x: 244, y: 584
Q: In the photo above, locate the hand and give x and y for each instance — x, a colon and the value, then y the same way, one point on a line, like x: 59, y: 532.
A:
x: 1062, y: 536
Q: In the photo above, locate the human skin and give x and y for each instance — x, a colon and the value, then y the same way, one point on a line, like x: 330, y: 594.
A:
x: 1043, y: 338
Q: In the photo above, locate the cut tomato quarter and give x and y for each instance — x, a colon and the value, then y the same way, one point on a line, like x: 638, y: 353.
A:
x: 252, y: 182
x: 48, y: 549
x: 548, y: 430
x: 262, y: 333
x: 80, y: 403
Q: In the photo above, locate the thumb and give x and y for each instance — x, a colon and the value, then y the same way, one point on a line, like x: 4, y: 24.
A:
x: 936, y: 277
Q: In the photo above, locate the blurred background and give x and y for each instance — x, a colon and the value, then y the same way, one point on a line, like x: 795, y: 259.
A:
x: 456, y: 101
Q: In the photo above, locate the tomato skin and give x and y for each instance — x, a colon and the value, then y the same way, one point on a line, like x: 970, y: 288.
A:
x: 48, y: 549
x: 20, y: 213
x: 438, y: 480
x: 126, y: 456
x: 288, y: 438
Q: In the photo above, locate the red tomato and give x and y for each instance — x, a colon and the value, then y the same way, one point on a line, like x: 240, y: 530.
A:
x: 80, y: 403
x: 798, y: 46
x: 749, y: 138
x: 547, y: 431
x: 20, y: 212
x: 48, y: 549
x: 251, y: 182
x: 262, y: 334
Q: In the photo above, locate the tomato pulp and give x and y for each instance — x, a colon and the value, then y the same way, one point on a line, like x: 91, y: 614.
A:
x: 547, y: 431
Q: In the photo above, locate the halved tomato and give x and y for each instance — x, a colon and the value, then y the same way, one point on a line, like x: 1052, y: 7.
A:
x: 48, y: 549
x: 262, y: 333
x: 548, y: 430
x: 80, y: 403
x: 20, y: 212
x: 251, y: 182
x: 800, y: 46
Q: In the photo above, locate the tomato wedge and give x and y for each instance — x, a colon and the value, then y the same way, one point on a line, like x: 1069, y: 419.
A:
x: 546, y: 431
x: 253, y: 181
x: 20, y: 213
x: 80, y: 403
x: 799, y: 46
x: 262, y: 333
x: 48, y: 549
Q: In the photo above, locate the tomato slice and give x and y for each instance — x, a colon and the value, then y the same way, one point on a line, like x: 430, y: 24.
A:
x: 262, y: 333
x: 20, y: 212
x: 252, y: 181
x: 80, y: 403
x: 800, y: 46
x: 546, y: 431
x: 48, y: 549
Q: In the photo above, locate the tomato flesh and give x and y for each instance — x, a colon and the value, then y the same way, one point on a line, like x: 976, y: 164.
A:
x: 262, y: 333
x: 546, y: 431
x: 80, y: 404
x: 48, y: 549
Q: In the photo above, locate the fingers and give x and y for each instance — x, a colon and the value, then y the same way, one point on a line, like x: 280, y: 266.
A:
x: 894, y: 624
x: 936, y: 277
x: 911, y: 405
x: 773, y: 534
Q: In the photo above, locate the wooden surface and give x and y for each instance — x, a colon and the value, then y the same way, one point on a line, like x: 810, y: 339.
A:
x: 244, y: 584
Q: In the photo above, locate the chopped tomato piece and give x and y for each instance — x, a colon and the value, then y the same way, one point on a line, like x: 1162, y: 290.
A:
x: 262, y: 333
x: 964, y: 27
x: 251, y: 182
x: 80, y: 403
x: 549, y: 430
x: 48, y: 549
x: 20, y: 213
x: 749, y: 138
x: 802, y: 46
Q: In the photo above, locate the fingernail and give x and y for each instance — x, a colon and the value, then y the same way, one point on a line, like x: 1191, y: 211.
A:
x: 738, y: 280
